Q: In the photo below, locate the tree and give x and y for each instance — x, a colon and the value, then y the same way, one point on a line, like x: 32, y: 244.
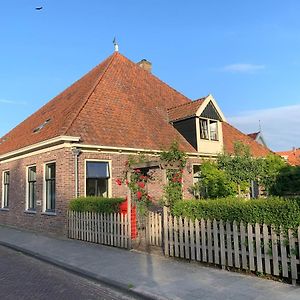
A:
x: 273, y: 165
x: 213, y: 182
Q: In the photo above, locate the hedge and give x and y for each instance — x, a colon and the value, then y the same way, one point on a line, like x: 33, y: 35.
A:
x: 271, y: 211
x: 96, y: 204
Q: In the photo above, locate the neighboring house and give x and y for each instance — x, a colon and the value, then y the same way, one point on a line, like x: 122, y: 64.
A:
x: 291, y: 156
x: 258, y: 137
x: 79, y: 142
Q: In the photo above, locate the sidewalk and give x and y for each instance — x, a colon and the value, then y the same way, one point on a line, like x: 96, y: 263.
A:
x: 148, y: 275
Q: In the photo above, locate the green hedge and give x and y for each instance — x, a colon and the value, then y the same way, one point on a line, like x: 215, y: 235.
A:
x: 96, y: 204
x: 270, y: 211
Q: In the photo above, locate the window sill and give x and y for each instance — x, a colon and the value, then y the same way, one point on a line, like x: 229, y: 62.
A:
x: 33, y: 212
x: 49, y: 213
x: 4, y: 209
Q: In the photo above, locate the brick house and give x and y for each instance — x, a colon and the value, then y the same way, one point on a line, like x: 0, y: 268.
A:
x: 78, y: 143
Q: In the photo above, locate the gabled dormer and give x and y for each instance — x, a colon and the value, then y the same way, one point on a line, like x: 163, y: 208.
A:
x: 200, y: 122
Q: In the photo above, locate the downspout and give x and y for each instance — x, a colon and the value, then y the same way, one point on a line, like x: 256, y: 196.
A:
x: 76, y: 152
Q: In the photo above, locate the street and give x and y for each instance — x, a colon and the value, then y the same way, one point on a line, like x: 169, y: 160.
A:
x: 24, y: 277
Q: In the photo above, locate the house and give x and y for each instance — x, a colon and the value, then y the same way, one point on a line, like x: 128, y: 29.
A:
x: 79, y: 142
x: 258, y: 137
x: 292, y: 157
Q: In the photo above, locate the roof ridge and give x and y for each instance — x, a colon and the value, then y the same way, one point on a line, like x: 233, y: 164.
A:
x: 91, y: 92
x: 192, y: 101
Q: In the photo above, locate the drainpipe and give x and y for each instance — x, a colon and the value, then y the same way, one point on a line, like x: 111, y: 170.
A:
x: 76, y: 152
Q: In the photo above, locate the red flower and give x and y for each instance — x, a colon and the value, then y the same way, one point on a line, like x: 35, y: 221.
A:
x: 127, y: 182
x: 139, y: 195
x: 141, y: 184
x: 143, y: 177
x: 137, y: 171
x: 118, y: 181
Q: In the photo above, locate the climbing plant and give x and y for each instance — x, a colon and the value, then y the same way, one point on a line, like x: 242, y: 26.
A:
x: 175, y: 160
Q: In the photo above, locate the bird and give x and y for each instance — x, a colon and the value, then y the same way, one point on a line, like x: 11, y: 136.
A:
x: 39, y: 8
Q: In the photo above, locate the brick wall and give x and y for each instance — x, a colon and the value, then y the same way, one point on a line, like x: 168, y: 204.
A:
x: 65, y: 187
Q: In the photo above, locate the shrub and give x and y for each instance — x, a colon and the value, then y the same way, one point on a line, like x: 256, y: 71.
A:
x: 270, y: 211
x: 96, y: 204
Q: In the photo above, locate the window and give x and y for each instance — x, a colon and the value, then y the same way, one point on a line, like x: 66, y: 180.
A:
x: 31, y: 188
x: 203, y: 129
x: 97, y: 178
x: 196, y: 179
x: 50, y: 187
x: 5, y: 190
x: 213, y: 130
x: 209, y: 129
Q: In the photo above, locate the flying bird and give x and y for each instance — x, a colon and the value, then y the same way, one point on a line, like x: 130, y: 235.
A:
x: 39, y: 8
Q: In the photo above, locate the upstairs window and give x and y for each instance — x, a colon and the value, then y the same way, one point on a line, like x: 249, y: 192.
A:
x: 97, y: 178
x: 213, y: 130
x: 50, y: 178
x: 209, y: 129
x: 5, y: 189
x: 31, y: 188
x: 204, y: 129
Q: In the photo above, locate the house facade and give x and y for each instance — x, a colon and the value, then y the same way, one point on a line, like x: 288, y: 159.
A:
x: 78, y: 143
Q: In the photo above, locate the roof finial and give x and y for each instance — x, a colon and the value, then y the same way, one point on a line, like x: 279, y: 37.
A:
x: 259, y: 125
x: 116, y: 45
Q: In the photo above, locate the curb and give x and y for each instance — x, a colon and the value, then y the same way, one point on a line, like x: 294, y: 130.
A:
x: 85, y: 274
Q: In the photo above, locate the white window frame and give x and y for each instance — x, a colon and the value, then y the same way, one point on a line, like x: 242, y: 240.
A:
x: 110, y: 174
x: 27, y: 188
x: 2, y: 196
x: 44, y: 186
x: 208, y: 129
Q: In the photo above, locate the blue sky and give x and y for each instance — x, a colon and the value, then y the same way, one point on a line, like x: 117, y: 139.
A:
x: 245, y: 53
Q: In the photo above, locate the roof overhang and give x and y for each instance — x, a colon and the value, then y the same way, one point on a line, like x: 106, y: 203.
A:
x: 41, y: 145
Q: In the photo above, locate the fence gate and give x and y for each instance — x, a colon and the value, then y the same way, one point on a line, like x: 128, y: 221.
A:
x: 154, y: 229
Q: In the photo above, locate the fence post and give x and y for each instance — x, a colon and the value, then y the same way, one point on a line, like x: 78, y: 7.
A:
x: 165, y: 226
x: 129, y: 211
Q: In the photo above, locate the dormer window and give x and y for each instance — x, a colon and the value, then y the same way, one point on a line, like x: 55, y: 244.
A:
x: 209, y: 129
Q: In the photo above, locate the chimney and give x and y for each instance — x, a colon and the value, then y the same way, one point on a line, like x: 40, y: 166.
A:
x: 145, y: 64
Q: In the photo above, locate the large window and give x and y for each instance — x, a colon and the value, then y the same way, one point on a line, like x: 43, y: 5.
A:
x: 97, y: 178
x: 209, y: 129
x: 31, y: 188
x: 50, y: 173
x: 5, y: 189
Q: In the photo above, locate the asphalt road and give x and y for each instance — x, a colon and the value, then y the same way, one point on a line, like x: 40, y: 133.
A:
x: 24, y: 277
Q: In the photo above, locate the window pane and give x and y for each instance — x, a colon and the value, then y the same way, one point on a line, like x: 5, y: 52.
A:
x: 97, y: 187
x: 97, y: 170
x: 32, y: 174
x: 50, y: 171
x: 203, y: 129
x: 213, y: 128
x: 6, y: 177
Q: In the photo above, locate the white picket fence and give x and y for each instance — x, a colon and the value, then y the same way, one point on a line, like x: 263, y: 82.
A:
x: 154, y: 229
x: 257, y: 247
x: 106, y: 229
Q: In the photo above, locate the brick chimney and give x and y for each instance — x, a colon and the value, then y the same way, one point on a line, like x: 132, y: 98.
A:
x: 145, y: 64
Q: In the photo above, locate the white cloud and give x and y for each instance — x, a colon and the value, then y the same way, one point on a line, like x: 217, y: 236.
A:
x: 280, y: 125
x: 242, y: 68
x: 5, y: 101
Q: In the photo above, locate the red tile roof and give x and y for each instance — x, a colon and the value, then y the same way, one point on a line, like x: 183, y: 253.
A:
x: 116, y: 104
x: 185, y: 110
x: 292, y: 156
x: 232, y: 135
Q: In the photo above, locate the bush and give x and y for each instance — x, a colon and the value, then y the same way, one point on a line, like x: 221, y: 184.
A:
x: 270, y: 211
x: 96, y: 204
